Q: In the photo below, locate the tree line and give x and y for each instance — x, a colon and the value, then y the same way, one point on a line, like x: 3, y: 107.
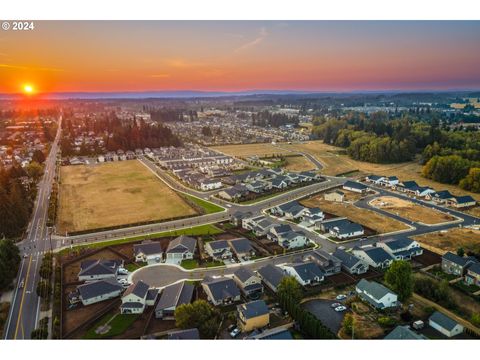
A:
x: 266, y: 118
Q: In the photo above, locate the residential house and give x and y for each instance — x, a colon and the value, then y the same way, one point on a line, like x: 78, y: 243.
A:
x: 390, y: 181
x: 172, y: 297
x: 336, y: 196
x: 407, y: 186
x: 355, y: 187
x: 277, y: 230
x: 295, y: 212
x: 341, y: 228
x: 329, y: 264
x: 256, y: 187
x: 210, y: 184
x: 250, y: 284
x: 99, y: 290
x: 149, y: 252
x: 242, y: 248
x: 376, y: 294
x: 441, y: 197
x: 187, y: 334
x: 350, y: 263
x: 271, y: 276
x: 180, y: 248
x: 456, y: 265
x: 472, y: 277
x: 253, y: 315
x: 375, y: 179
x: 221, y: 290
x: 218, y: 249
x: 293, y: 240
x: 260, y: 225
x: 401, y: 249
x: 278, y: 333
x: 237, y: 217
x: 134, y: 299
x: 280, y: 210
x: 404, y: 333
x: 306, y: 273
x: 373, y: 256
x: 445, y: 325
x: 98, y: 269
x: 279, y: 183
x: 461, y: 202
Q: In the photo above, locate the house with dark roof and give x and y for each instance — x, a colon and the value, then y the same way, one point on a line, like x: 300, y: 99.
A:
x: 278, y: 333
x: 306, y: 273
x: 445, y: 325
x: 249, y: 283
x: 99, y: 269
x: 329, y: 264
x: 374, y: 256
x: 271, y: 276
x: 134, y: 299
x: 149, y: 252
x: 341, y: 228
x: 257, y: 187
x: 187, y: 334
x: 456, y: 265
x: 180, y: 248
x: 409, y: 186
x: 96, y: 291
x: 237, y: 217
x: 172, y: 297
x: 441, y: 197
x: 376, y: 294
x: 355, y: 187
x: 218, y: 249
x: 351, y: 263
x: 221, y: 290
x: 253, y: 315
x: 242, y: 248
x: 280, y: 210
x: 295, y: 212
x: 461, y: 202
x: 472, y: 277
x: 401, y: 249
x: 293, y: 240
x: 277, y: 230
x: 404, y: 333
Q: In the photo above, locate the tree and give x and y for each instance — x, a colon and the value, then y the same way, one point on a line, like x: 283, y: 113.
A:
x: 200, y: 315
x: 44, y: 288
x: 9, y: 262
x: 34, y: 170
x: 472, y: 181
x: 289, y: 288
x: 347, y: 324
x: 399, y: 278
x: 38, y: 156
x: 460, y: 252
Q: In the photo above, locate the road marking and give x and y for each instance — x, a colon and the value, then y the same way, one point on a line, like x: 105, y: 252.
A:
x: 23, y: 296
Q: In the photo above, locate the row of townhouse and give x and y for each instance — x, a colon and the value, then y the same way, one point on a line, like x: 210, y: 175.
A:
x: 198, y: 180
x: 411, y: 187
x: 467, y: 267
x: 225, y: 249
x: 120, y: 155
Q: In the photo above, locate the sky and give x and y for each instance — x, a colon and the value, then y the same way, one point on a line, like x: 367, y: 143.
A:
x: 116, y: 56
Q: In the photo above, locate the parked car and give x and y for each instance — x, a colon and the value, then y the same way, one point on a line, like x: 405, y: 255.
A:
x: 340, y: 308
x: 122, y: 271
x: 335, y: 305
x: 341, y: 297
x: 231, y: 328
x: 234, y: 333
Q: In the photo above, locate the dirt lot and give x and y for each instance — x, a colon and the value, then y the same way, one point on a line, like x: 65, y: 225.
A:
x: 298, y: 163
x: 451, y: 240
x: 411, y: 211
x: 125, y: 192
x: 245, y: 150
x: 379, y: 223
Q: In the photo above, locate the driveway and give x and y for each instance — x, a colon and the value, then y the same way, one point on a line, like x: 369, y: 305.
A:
x: 323, y: 312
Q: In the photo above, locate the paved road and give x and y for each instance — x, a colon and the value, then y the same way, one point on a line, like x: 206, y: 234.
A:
x: 25, y: 307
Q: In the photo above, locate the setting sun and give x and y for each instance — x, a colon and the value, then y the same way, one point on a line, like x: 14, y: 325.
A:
x: 28, y: 89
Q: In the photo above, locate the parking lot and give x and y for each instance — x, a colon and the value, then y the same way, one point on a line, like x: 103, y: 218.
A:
x: 325, y: 313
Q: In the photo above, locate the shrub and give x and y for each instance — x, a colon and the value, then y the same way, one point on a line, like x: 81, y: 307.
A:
x: 386, y: 321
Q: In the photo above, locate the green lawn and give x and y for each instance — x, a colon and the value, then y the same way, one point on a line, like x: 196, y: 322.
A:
x: 207, y: 206
x: 134, y: 266
x: 189, y: 264
x: 213, y: 264
x: 466, y: 288
x: 118, y: 326
x: 208, y: 229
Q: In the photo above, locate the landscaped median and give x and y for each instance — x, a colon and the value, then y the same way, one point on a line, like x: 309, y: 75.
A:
x: 207, y: 206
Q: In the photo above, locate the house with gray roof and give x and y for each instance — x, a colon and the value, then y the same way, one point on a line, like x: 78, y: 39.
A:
x: 249, y: 283
x: 401, y: 249
x: 445, y: 325
x: 149, y: 252
x: 306, y: 273
x: 355, y: 187
x: 374, y: 256
x: 218, y: 249
x: 351, y: 263
x: 404, y: 333
x: 242, y: 248
x: 253, y: 315
x: 271, y: 276
x: 277, y: 230
x: 472, y: 277
x: 237, y: 217
x: 221, y: 290
x: 134, y: 299
x: 341, y: 228
x: 99, y: 290
x: 99, y: 269
x: 172, y: 297
x: 187, y: 334
x: 180, y: 248
x: 456, y: 265
x: 329, y: 264
x: 376, y: 294
x: 293, y: 240
x: 280, y: 210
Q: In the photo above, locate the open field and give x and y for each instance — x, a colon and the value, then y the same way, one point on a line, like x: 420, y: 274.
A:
x: 381, y: 224
x: 298, y: 163
x: 114, y: 194
x: 451, y: 240
x: 411, y: 211
x: 336, y: 162
x: 245, y: 150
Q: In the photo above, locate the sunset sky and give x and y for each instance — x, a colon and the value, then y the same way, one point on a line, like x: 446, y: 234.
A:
x: 61, y: 56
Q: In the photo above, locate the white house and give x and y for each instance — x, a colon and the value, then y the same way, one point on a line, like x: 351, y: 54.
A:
x: 210, y: 184
x: 134, y: 300
x: 355, y: 187
x: 444, y: 324
x: 180, y: 248
x: 376, y: 294
x: 96, y: 291
x: 148, y: 251
x: 292, y: 240
x: 98, y: 269
x: 306, y: 273
x: 401, y: 249
x: 218, y: 249
x: 373, y: 256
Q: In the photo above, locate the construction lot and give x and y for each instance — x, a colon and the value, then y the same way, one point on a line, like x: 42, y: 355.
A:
x: 451, y: 240
x: 411, y: 211
x: 370, y: 219
x: 262, y: 150
x: 298, y: 163
x: 113, y: 194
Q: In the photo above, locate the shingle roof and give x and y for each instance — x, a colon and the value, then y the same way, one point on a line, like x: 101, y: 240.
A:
x: 376, y: 290
x: 99, y: 267
x: 349, y: 260
x: 218, y: 244
x: 396, y: 244
x: 175, y: 295
x: 253, y: 309
x: 241, y: 245
x: 132, y: 305
x: 244, y: 273
x: 221, y: 288
x: 148, y: 248
x: 461, y: 261
x: 188, y: 334
x: 444, y: 194
x: 307, y: 270
x: 404, y: 333
x: 464, y: 199
x: 355, y: 185
x: 271, y: 274
x: 182, y: 244
x: 378, y: 255
x: 139, y: 289
x: 97, y: 288
x: 475, y: 267
x: 443, y: 320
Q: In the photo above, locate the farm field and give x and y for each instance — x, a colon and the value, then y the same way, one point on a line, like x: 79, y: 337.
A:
x: 451, y: 240
x: 114, y: 194
x: 336, y: 162
x: 381, y: 224
x: 411, y: 211
x: 245, y: 150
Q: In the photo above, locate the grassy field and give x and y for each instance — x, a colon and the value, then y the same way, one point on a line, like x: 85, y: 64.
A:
x: 298, y: 163
x: 451, y: 240
x: 411, y: 211
x: 336, y: 162
x: 207, y: 206
x: 245, y: 150
x: 118, y: 324
x: 381, y: 224
x: 114, y: 194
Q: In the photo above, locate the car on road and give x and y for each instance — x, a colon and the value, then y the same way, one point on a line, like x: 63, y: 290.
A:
x: 22, y: 284
x: 340, y: 308
x: 335, y: 305
x: 341, y: 297
x: 234, y: 333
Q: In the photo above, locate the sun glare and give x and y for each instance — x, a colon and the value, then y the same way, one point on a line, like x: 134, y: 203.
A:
x: 28, y: 89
